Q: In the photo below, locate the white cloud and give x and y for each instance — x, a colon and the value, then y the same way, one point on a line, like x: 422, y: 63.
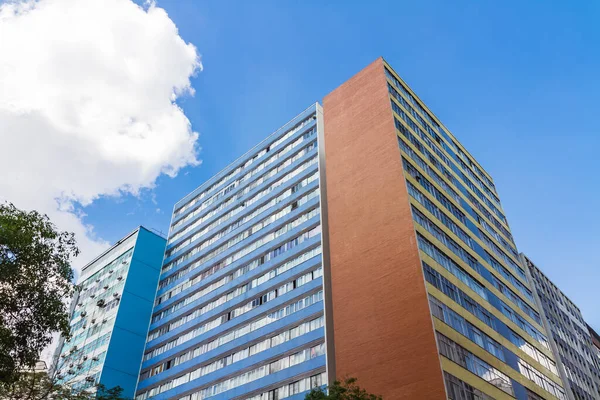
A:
x: 87, y: 91
x: 86, y: 104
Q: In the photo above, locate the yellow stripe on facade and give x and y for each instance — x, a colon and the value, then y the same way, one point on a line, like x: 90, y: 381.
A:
x: 441, y: 162
x: 418, y: 168
x: 487, y: 357
x: 473, y: 380
x: 436, y: 119
x: 487, y: 306
x: 437, y: 186
x: 494, y: 199
x: 472, y: 253
x: 496, y: 336
x: 478, y: 277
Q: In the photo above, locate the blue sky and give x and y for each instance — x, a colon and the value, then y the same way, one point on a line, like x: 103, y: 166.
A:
x: 516, y: 81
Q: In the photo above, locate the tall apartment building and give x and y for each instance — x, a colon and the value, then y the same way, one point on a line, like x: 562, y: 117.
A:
x: 359, y: 239
x: 239, y: 308
x: 110, y: 315
x: 595, y: 341
x: 570, y: 336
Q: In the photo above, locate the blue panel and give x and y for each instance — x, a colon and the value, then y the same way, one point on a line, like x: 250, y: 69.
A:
x: 112, y: 378
x: 128, y: 338
x: 256, y: 360
x: 288, y: 373
x: 248, y: 295
x: 307, y: 313
x: 311, y: 365
x: 520, y: 392
x: 270, y: 180
x: 307, y: 172
x: 248, y: 257
x: 286, y: 248
x: 272, y: 305
x: 302, y: 247
x: 149, y: 249
x: 306, y: 113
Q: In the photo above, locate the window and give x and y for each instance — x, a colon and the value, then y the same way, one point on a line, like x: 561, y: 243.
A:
x: 533, y: 396
x: 421, y: 148
x: 229, y: 277
x: 521, y: 323
x: 316, y: 381
x: 506, y: 291
x: 470, y: 362
x: 440, y: 235
x: 240, y: 168
x: 428, y: 248
x: 256, y: 324
x: 246, y: 377
x: 459, y: 390
x: 541, y: 380
x: 461, y: 325
x: 441, y: 283
x: 496, y: 249
x: 295, y: 387
x: 289, y: 389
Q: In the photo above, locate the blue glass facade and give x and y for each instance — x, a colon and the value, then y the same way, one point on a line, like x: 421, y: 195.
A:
x: 110, y: 315
x: 478, y: 290
x: 239, y: 308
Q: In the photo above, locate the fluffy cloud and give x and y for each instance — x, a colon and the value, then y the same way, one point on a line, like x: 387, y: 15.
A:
x: 87, y: 105
x: 87, y: 91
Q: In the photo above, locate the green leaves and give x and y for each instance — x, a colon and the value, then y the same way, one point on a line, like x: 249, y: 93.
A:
x: 39, y: 386
x: 347, y: 389
x: 35, y: 280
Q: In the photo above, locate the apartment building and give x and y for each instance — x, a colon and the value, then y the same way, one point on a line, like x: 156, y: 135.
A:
x: 110, y: 315
x: 570, y: 336
x: 359, y: 239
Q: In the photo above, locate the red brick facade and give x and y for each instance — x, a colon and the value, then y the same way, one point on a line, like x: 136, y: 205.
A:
x: 382, y: 327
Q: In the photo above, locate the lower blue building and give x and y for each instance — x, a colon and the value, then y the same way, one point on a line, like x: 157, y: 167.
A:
x: 239, y: 308
x: 110, y: 315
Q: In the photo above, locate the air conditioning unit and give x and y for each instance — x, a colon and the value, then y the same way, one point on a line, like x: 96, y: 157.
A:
x: 92, y: 296
x: 97, y: 280
x: 96, y: 358
x: 89, y: 379
x: 104, y: 320
x: 115, y: 294
x: 71, y: 372
x: 120, y: 278
x: 124, y: 262
x: 105, y: 287
x: 83, y: 314
x: 85, y: 358
x: 93, y: 321
x: 84, y: 327
x: 71, y: 365
x: 100, y: 303
x: 110, y: 271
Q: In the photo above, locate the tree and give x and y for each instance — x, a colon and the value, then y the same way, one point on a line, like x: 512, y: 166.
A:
x: 35, y: 279
x: 344, y: 390
x: 40, y: 386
